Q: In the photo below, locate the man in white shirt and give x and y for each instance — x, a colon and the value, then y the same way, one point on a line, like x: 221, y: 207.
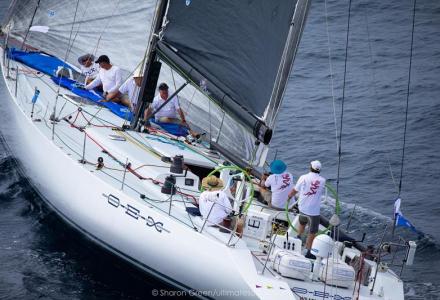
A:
x: 309, y: 187
x: 168, y: 113
x: 89, y: 68
x: 110, y: 77
x: 129, y: 91
x: 214, y: 205
x: 280, y: 183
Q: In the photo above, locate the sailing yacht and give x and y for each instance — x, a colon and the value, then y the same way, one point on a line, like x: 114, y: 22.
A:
x: 134, y: 192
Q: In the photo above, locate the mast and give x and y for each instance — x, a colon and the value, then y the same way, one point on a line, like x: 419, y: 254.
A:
x: 152, y: 68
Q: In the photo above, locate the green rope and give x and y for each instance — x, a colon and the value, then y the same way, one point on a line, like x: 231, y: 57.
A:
x: 337, y: 211
x: 335, y: 196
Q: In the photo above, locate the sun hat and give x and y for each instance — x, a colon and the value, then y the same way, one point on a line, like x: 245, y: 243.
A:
x: 278, y: 167
x: 212, y: 183
x: 316, y: 165
x: 83, y: 58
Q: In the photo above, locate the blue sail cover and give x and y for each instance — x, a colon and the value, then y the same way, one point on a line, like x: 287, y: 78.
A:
x: 38, y: 61
x: 49, y: 64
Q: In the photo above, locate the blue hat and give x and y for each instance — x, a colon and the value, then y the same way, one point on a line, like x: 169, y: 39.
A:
x: 278, y: 167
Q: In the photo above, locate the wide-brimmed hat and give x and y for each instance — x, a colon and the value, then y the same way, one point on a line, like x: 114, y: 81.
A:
x: 278, y: 167
x: 83, y: 58
x: 212, y: 183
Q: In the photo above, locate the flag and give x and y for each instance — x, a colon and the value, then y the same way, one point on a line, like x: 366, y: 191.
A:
x: 399, y: 219
x: 403, y: 222
x: 35, y: 97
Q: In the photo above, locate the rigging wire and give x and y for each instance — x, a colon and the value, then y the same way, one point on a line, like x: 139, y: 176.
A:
x: 343, y: 98
x: 331, y: 75
x: 392, y: 174
x: 373, y: 79
x: 81, y: 22
x: 69, y: 48
x: 407, y: 98
x: 30, y: 25
x: 95, y: 50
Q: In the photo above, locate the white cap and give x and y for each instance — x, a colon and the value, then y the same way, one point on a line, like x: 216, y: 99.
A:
x: 316, y: 165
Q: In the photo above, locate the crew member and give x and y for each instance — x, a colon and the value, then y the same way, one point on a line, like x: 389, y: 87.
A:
x: 214, y: 196
x: 110, y: 77
x: 280, y: 183
x: 129, y: 91
x: 309, y: 188
x: 89, y: 68
x: 168, y: 113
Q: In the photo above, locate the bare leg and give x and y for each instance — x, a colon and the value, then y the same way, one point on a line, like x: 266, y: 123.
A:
x: 301, y: 229
x: 113, y: 97
x: 169, y: 120
x: 309, y: 241
x: 124, y: 101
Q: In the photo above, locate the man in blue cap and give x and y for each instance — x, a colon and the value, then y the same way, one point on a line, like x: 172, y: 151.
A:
x: 280, y: 183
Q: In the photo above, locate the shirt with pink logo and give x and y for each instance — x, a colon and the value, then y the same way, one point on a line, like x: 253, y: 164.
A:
x: 280, y: 185
x: 310, y: 187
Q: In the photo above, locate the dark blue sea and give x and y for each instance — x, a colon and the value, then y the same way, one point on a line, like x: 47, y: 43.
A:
x: 42, y: 258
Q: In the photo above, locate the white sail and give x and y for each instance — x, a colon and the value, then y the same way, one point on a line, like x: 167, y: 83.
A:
x: 119, y: 29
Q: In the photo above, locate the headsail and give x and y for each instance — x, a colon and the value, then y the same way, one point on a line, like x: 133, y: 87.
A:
x: 119, y: 28
x: 236, y: 50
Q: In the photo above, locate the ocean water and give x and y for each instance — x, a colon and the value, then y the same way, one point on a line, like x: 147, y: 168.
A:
x: 40, y: 257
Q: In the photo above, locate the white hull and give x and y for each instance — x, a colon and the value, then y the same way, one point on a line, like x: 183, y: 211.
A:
x: 132, y: 229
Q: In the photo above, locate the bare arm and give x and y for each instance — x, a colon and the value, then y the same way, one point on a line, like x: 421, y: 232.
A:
x: 263, y: 180
x: 182, y: 115
x: 292, y: 193
x: 148, y: 112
